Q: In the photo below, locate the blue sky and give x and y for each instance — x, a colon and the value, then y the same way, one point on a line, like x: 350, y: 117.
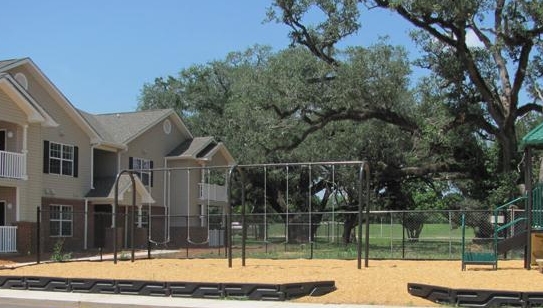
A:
x: 100, y: 53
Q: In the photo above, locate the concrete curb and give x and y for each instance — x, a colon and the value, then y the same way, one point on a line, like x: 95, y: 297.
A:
x: 23, y: 298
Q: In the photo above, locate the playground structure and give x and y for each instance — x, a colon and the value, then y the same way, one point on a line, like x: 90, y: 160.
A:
x: 222, y: 229
x: 514, y: 231
x: 508, y: 231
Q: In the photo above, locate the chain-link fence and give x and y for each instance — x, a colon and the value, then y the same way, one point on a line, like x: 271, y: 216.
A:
x: 334, y: 234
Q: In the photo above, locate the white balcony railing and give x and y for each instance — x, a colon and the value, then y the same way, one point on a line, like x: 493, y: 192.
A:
x: 212, y: 192
x: 8, y: 239
x: 12, y: 165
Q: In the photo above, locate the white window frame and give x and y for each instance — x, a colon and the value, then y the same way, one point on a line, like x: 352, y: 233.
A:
x: 61, y: 159
x: 140, y: 164
x: 61, y: 210
x: 143, y: 217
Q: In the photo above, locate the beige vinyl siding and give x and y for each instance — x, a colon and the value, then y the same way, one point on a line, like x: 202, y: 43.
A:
x: 31, y: 192
x: 218, y: 159
x: 15, y: 143
x: 10, y: 112
x: 68, y: 132
x: 154, y: 145
x: 64, y: 186
x: 9, y: 196
x: 183, y: 192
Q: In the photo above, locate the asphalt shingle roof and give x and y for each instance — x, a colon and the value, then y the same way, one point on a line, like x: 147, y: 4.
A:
x: 192, y: 147
x: 102, y: 187
x: 7, y: 62
x: 122, y: 127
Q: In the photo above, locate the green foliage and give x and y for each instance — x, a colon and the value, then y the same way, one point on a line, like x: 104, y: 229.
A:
x: 58, y: 255
x: 125, y: 256
x: 449, y: 142
x: 474, y: 95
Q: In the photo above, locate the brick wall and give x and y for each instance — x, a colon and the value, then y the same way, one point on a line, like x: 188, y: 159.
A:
x: 26, y: 237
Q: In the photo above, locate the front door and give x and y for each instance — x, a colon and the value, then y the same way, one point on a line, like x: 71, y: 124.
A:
x: 2, y: 213
x: 102, y: 221
x: 2, y: 140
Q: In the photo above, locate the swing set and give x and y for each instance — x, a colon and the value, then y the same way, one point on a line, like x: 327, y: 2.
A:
x: 235, y: 178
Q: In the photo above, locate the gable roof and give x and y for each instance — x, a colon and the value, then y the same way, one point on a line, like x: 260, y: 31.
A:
x: 8, y: 62
x: 58, y: 96
x: 104, y: 189
x: 113, y: 130
x: 192, y: 147
x: 33, y: 111
x: 200, y: 148
x: 533, y: 138
x: 121, y: 128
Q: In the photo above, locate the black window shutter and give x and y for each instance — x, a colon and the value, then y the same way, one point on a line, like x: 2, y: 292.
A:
x: 130, y: 162
x: 151, y: 166
x: 45, y: 156
x: 76, y: 161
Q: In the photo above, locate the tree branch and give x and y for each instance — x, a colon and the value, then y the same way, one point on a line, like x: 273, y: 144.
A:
x: 387, y: 116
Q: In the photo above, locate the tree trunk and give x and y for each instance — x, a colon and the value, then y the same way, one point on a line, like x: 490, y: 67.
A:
x: 349, y: 225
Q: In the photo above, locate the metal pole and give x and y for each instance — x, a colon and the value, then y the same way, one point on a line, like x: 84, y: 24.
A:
x: 38, y: 227
x: 364, y: 170
x: 403, y: 235
x: 309, y: 193
x: 367, y: 178
x: 359, y: 240
x: 133, y: 217
x: 529, y: 205
x: 115, y: 205
x: 228, y: 229
x: 243, y: 219
x: 148, y: 243
x: 114, y: 218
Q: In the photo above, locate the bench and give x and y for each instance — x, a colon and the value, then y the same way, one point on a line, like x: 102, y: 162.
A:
x: 479, y: 258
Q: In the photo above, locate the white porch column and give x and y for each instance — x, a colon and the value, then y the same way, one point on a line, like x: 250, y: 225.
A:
x: 25, y: 151
x: 17, y: 204
x: 92, y: 165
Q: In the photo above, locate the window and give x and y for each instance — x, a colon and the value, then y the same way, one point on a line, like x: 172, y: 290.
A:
x: 143, y: 218
x: 60, y: 220
x: 141, y: 168
x: 21, y: 79
x: 167, y: 126
x: 60, y: 158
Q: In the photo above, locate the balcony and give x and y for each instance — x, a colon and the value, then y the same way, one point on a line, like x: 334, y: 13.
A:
x: 212, y: 192
x: 12, y: 165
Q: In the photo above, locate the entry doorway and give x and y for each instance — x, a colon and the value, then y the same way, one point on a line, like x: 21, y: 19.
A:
x: 3, y: 140
x: 102, y: 221
x: 2, y: 213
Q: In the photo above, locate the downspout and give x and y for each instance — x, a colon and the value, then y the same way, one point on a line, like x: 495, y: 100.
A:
x: 85, y: 230
x: 25, y: 151
x: 92, y: 165
x: 126, y: 223
x: 113, y: 208
x: 166, y: 200
x: 17, y: 204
